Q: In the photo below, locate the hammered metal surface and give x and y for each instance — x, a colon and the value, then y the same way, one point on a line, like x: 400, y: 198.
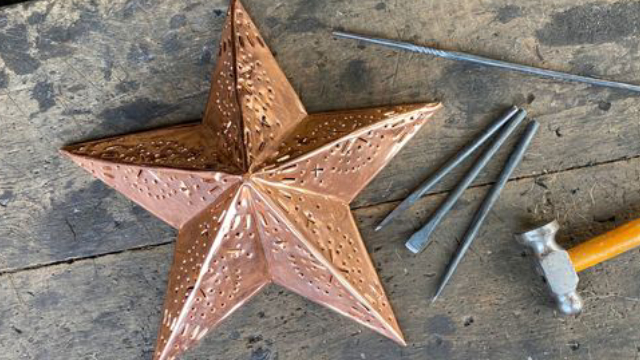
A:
x: 323, y: 159
x: 189, y: 147
x: 270, y: 107
x: 252, y: 105
x: 222, y: 113
x: 314, y: 249
x: 260, y: 193
x: 173, y: 195
x: 322, y: 128
x: 218, y: 265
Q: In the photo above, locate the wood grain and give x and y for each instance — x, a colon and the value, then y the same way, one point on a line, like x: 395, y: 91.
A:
x: 85, y: 69
x: 79, y: 70
x: 496, y: 307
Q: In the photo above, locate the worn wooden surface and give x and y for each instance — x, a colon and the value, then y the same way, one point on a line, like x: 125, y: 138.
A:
x: 83, y: 271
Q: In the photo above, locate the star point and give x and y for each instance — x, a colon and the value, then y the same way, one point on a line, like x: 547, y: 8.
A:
x: 259, y: 192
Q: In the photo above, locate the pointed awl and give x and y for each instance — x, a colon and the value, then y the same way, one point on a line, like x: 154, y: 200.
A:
x: 455, y: 55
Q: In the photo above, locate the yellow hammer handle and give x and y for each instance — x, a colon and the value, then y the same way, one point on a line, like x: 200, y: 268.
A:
x: 606, y: 246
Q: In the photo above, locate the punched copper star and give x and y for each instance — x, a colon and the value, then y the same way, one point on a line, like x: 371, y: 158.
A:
x: 259, y: 192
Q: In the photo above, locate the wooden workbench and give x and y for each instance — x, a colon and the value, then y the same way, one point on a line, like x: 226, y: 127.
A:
x: 83, y: 270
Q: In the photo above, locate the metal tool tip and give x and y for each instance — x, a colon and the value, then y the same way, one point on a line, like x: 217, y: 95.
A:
x: 409, y: 245
x: 385, y: 221
x: 439, y: 291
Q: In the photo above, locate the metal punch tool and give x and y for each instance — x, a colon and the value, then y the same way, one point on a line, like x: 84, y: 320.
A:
x: 506, y: 125
x: 460, y: 56
x: 487, y: 203
x: 450, y: 164
x: 421, y: 238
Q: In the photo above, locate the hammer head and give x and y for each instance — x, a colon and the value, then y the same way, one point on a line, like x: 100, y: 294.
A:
x: 554, y: 265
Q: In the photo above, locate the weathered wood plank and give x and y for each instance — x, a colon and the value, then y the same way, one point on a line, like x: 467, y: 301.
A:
x: 495, y: 308
x: 74, y: 70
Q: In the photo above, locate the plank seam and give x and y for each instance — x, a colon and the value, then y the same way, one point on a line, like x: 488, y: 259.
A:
x: 514, y: 179
x: 158, y: 245
x: 77, y: 259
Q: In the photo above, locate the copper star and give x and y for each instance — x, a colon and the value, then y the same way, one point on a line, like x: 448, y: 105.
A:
x: 259, y: 192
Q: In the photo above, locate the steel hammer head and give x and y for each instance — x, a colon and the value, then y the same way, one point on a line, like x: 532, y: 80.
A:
x: 554, y: 265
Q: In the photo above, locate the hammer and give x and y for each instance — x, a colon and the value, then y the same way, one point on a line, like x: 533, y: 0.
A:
x: 560, y: 268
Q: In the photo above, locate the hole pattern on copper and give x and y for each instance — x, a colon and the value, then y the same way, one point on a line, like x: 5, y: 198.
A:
x: 282, y: 212
x: 183, y: 147
x: 223, y: 114
x: 328, y: 226
x: 218, y: 264
x: 181, y: 194
x: 356, y: 157
x: 320, y: 129
x: 270, y: 106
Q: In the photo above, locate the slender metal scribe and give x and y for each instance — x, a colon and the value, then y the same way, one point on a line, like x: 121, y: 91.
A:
x: 447, y: 167
x: 420, y: 239
x: 489, y: 200
x: 454, y: 55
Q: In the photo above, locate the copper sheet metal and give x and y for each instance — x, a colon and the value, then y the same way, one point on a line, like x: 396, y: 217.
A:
x: 259, y: 192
